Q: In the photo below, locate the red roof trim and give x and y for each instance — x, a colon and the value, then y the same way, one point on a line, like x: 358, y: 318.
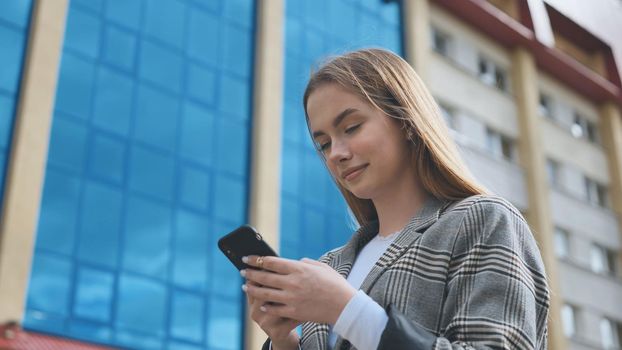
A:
x: 12, y: 336
x: 510, y: 33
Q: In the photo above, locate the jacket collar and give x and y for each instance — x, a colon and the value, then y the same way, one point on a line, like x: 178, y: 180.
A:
x: 343, y: 261
x: 425, y: 217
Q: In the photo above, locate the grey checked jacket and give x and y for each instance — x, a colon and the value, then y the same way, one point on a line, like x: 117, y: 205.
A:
x: 466, y: 274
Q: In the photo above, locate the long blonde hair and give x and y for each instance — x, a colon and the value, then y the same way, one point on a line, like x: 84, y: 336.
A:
x: 391, y: 85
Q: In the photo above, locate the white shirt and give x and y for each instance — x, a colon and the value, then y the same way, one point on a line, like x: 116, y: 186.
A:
x: 362, y: 321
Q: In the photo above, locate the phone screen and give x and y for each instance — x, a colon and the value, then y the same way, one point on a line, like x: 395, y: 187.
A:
x: 244, y: 241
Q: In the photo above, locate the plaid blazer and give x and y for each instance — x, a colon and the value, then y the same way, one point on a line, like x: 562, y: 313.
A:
x: 468, y: 273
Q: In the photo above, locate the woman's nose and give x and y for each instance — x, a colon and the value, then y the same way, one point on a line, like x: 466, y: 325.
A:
x: 340, y: 151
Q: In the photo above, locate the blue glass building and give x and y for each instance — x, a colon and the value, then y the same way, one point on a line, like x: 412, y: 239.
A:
x: 147, y: 167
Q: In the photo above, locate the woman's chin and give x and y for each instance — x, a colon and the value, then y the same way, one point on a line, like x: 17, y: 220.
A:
x: 360, y: 193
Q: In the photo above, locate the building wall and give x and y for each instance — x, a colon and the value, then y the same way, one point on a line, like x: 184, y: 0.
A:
x: 594, y: 295
x: 453, y: 80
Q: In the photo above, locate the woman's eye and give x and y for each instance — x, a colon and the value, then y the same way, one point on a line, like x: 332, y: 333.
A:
x: 324, y: 146
x: 352, y: 128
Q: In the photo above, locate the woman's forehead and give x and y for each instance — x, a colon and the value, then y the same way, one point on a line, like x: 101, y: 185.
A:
x: 327, y: 106
x: 332, y: 98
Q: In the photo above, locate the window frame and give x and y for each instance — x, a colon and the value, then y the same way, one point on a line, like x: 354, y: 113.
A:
x: 500, y: 145
x: 606, y: 260
x: 596, y: 193
x: 571, y: 311
x: 445, y: 49
x: 491, y: 73
x: 615, y: 342
x: 559, y: 232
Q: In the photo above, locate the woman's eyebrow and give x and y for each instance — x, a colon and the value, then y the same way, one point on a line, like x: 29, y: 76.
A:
x: 338, y: 119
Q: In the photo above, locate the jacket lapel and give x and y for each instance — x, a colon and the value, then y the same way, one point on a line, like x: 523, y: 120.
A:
x: 425, y: 218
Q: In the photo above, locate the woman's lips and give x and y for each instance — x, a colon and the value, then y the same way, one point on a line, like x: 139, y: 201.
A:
x: 353, y: 175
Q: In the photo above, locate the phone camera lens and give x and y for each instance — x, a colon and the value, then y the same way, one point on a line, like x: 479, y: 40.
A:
x: 258, y: 236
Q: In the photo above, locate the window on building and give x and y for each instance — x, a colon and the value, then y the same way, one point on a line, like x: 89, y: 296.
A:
x: 449, y: 114
x: 562, y: 243
x: 602, y: 260
x: 544, y: 108
x: 500, y: 79
x: 553, y: 172
x: 596, y: 193
x: 500, y: 145
x: 569, y: 320
x: 592, y: 132
x: 441, y: 42
x: 584, y: 128
x: 491, y: 74
x: 610, y: 332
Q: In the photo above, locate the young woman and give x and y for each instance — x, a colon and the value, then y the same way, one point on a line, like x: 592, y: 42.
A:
x: 436, y: 264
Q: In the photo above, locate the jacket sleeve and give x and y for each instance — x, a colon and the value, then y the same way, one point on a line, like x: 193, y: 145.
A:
x: 496, y: 295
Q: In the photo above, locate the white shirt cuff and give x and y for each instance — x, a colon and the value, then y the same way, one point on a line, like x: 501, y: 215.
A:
x: 362, y: 322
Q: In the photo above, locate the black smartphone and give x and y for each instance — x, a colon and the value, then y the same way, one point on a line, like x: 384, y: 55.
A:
x: 244, y: 241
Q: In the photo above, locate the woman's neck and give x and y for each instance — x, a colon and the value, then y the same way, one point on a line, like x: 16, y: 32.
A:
x: 397, y: 207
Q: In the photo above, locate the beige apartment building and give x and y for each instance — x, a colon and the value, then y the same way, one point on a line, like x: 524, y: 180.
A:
x: 535, y: 126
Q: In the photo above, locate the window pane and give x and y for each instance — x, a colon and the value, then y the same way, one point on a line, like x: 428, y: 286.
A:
x: 577, y: 127
x: 606, y: 334
x: 568, y: 319
x: 141, y: 305
x: 544, y: 107
x: 552, y: 172
x: 440, y: 42
x: 486, y: 73
x: 601, y: 195
x: 94, y: 294
x: 507, y: 148
x: 500, y: 79
x: 50, y: 283
x: 562, y: 246
x: 187, y: 316
x: 598, y: 259
x: 493, y: 142
x: 592, y: 132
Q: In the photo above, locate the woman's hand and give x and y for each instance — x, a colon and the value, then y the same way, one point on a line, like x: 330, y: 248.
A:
x: 280, y: 330
x: 305, y: 290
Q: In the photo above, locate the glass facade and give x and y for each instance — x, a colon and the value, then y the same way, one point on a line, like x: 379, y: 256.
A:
x: 148, y: 166
x: 14, y: 23
x: 314, y: 218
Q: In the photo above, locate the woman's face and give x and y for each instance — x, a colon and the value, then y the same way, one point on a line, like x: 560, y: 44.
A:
x: 366, y: 151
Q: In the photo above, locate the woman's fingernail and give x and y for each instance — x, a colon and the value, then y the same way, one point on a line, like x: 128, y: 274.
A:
x: 243, y: 273
x: 262, y: 308
x: 245, y: 259
x: 244, y: 287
